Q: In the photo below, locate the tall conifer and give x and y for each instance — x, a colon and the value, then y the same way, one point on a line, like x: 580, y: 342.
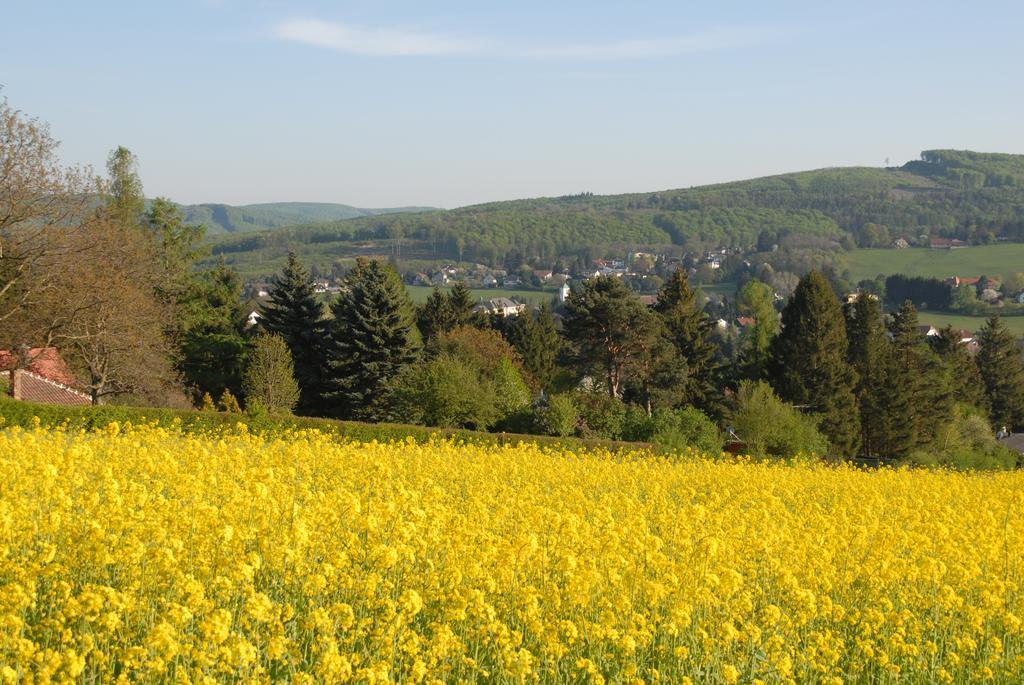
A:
x: 689, y: 329
x: 536, y: 339
x: 966, y: 382
x: 295, y: 313
x: 808, y: 365
x: 1002, y: 371
x: 919, y: 376
x: 372, y: 337
x: 870, y: 354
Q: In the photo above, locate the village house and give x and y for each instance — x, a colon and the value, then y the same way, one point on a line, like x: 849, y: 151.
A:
x: 501, y: 306
x: 947, y: 244
x: 900, y: 244
x: 41, y: 375
x: 543, y: 275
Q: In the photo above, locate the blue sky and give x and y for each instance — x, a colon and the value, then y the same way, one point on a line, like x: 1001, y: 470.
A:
x: 450, y: 103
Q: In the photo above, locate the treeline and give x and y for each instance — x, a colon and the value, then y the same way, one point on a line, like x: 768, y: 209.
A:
x: 820, y: 379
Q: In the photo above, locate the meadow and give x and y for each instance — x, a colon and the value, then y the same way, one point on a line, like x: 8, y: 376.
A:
x: 998, y: 259
x: 971, y: 323
x: 144, y: 554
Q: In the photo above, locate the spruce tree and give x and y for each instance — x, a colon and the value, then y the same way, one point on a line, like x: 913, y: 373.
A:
x: 434, y: 316
x: 870, y: 354
x: 690, y: 329
x: 808, y: 366
x: 922, y: 379
x: 372, y: 337
x: 295, y: 313
x: 536, y: 339
x: 460, y: 305
x: 1002, y: 372
x: 966, y: 382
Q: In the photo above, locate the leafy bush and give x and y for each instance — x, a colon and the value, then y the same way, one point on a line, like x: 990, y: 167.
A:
x: 511, y: 393
x: 770, y: 427
x: 600, y: 415
x: 966, y: 442
x: 559, y: 416
x: 674, y: 429
x: 445, y: 392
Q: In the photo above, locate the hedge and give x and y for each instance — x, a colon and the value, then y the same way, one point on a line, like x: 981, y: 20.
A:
x: 27, y: 414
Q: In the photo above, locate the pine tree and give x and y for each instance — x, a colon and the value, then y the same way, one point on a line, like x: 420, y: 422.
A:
x: 808, y: 365
x: 536, y: 339
x: 295, y: 313
x: 920, y: 377
x: 870, y: 355
x: 434, y: 316
x: 1002, y: 371
x: 690, y: 330
x: 610, y: 331
x: 373, y: 336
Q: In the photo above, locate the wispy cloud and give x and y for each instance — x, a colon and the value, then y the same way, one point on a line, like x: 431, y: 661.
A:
x: 722, y: 38
x: 401, y: 42
x: 374, y: 42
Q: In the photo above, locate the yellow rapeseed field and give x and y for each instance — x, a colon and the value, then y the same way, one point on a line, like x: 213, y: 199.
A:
x: 139, y: 554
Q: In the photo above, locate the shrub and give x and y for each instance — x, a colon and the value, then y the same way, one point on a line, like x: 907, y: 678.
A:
x: 559, y: 416
x: 673, y: 429
x: 269, y: 378
x: 682, y: 428
x: 600, y: 415
x: 510, y: 390
x: 770, y: 427
x: 966, y: 442
x: 444, y: 392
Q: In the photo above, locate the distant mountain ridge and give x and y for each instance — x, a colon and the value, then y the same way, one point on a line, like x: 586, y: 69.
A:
x: 977, y: 197
x: 223, y: 218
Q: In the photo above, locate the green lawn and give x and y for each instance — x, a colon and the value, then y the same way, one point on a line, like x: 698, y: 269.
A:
x: 420, y: 293
x: 999, y: 259
x: 971, y: 323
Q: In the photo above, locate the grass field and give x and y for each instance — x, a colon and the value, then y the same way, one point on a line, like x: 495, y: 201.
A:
x: 420, y: 293
x: 971, y: 323
x: 1000, y: 259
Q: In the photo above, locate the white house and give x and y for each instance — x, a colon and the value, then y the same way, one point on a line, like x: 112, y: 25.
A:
x: 253, y: 319
x: 502, y: 306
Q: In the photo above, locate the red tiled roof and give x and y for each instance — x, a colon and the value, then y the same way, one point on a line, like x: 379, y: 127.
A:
x: 31, y: 387
x: 745, y: 321
x: 42, y: 361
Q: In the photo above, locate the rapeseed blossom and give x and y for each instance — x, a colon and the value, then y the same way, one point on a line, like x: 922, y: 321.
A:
x: 140, y: 554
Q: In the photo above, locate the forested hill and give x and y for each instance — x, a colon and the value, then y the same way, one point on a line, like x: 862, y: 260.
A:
x: 969, y: 195
x: 221, y: 218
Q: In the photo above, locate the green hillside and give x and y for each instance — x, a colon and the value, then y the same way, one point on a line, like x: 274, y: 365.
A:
x: 221, y: 218
x: 972, y: 196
